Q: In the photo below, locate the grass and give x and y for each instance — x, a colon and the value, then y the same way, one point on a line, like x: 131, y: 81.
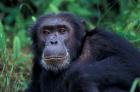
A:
x: 15, y: 64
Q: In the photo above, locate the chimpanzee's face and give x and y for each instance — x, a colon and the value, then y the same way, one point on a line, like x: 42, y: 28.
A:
x: 61, y: 40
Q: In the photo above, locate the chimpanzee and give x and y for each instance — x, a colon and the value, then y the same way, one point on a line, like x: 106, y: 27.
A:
x: 67, y: 58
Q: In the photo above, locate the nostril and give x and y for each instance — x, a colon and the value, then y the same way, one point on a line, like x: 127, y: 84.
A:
x: 53, y: 42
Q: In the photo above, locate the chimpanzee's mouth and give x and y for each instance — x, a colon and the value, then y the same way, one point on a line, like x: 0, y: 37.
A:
x: 52, y: 60
x: 55, y: 63
x: 55, y: 58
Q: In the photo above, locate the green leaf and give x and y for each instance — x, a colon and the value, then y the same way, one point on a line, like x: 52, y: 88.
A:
x: 3, y: 50
x: 34, y: 18
x: 16, y: 47
x: 135, y: 83
x: 53, y: 8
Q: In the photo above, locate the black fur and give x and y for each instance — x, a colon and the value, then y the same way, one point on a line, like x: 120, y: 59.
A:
x: 107, y: 63
x: 114, y: 65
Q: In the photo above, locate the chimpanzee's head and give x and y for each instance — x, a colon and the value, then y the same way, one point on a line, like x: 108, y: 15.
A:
x: 57, y: 39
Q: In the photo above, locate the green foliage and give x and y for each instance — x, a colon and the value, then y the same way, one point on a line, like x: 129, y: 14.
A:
x: 16, y: 47
x: 34, y: 18
x: 136, y: 84
x: 12, y: 61
x: 3, y: 49
x: 122, y: 16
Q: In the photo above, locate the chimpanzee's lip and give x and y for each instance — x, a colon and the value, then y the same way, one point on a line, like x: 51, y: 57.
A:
x: 54, y: 58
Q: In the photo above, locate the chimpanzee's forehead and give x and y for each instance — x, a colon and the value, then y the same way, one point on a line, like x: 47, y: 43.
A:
x: 53, y: 21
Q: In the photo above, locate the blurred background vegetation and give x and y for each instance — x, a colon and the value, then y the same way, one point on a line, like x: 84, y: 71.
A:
x: 16, y: 16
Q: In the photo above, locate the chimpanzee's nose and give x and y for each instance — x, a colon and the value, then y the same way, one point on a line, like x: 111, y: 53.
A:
x: 53, y: 42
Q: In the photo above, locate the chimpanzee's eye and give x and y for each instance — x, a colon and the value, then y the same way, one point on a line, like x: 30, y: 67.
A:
x: 46, y: 31
x: 62, y: 30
